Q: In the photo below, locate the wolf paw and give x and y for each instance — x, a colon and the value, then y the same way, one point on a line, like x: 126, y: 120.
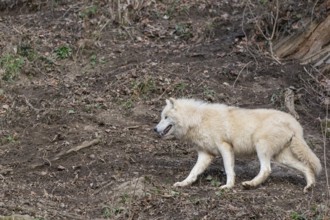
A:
x: 308, y: 187
x: 226, y: 187
x: 180, y: 184
x: 248, y: 185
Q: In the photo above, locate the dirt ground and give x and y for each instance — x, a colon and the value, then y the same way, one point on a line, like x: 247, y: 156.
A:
x: 77, y: 110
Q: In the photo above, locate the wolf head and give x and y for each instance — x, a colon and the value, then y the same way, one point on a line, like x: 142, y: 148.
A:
x: 167, y: 125
x: 178, y: 117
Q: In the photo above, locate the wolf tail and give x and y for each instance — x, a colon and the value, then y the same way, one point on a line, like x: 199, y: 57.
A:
x: 302, y: 151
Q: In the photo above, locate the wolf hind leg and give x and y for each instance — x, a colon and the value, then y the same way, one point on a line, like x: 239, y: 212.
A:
x: 287, y: 158
x: 203, y: 161
x: 265, y: 155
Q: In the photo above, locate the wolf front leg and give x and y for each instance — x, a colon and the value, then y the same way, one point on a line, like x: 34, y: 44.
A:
x: 203, y: 161
x: 227, y: 154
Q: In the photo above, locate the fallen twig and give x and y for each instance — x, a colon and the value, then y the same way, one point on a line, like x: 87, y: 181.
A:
x: 161, y: 95
x: 132, y: 127
x: 102, y: 187
x: 313, y: 77
x: 85, y: 144
x: 30, y: 105
x: 241, y: 72
x: 77, y: 148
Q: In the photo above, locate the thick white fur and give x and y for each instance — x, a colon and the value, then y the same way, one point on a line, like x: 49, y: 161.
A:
x: 217, y: 129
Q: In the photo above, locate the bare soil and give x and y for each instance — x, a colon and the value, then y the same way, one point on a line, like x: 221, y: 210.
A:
x: 106, y: 97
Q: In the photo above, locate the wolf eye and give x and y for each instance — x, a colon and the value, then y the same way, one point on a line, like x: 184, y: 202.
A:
x: 165, y: 117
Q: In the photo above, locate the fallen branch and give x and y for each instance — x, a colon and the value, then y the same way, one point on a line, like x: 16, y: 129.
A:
x: 241, y: 72
x: 77, y: 148
x: 85, y: 144
x: 102, y: 188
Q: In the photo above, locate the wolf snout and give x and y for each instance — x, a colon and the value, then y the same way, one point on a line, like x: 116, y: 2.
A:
x: 158, y: 133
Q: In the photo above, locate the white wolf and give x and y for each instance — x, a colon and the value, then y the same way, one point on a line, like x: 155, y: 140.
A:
x: 218, y: 129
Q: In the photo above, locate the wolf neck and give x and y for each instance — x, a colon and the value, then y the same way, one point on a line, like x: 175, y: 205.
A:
x: 200, y: 116
x: 190, y: 122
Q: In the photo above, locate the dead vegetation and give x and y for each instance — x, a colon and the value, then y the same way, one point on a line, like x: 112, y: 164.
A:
x: 82, y: 84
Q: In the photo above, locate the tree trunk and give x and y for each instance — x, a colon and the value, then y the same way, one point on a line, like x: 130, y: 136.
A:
x: 310, y: 45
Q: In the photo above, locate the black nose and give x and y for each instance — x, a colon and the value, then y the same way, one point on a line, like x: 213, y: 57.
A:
x: 155, y: 129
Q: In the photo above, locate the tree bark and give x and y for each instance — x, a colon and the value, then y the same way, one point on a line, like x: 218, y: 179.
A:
x: 310, y: 45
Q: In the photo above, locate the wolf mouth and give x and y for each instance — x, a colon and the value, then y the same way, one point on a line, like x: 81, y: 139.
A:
x: 166, y: 130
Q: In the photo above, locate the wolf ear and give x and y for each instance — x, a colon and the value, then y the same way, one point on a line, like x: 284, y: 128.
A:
x: 170, y: 101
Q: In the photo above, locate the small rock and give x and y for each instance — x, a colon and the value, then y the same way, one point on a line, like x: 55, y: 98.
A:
x: 225, y: 16
x: 92, y: 156
x: 60, y: 168
x: 99, y: 99
x: 5, y: 106
x: 88, y: 128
